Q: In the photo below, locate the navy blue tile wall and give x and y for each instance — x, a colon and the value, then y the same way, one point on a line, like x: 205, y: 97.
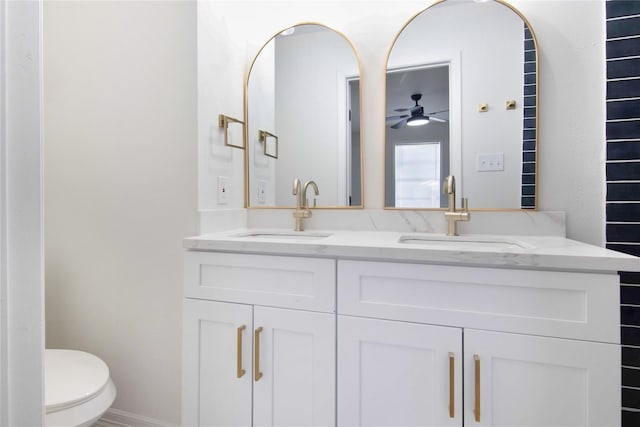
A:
x: 628, y: 109
x: 630, y: 357
x: 628, y: 150
x: 622, y: 191
x: 622, y: 8
x: 629, y: 397
x: 623, y: 89
x: 623, y: 182
x: 630, y: 418
x: 622, y: 48
x: 529, y: 145
x: 630, y: 316
x: 629, y: 129
x: 623, y: 233
x: 622, y: 213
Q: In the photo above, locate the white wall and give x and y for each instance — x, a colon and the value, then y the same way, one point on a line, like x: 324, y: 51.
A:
x: 222, y: 57
x: 572, y: 86
x: 120, y: 189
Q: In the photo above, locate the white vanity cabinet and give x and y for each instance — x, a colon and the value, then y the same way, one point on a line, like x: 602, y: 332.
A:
x: 347, y: 340
x: 217, y: 344
x: 398, y: 374
x: 521, y: 380
x: 390, y: 370
x: 246, y: 363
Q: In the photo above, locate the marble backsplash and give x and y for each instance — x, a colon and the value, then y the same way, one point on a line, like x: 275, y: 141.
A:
x: 524, y: 223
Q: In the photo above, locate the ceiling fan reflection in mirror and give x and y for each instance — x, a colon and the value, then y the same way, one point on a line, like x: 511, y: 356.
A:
x: 416, y: 116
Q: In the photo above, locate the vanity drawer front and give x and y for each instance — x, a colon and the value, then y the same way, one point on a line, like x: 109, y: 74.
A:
x: 559, y: 304
x: 278, y: 281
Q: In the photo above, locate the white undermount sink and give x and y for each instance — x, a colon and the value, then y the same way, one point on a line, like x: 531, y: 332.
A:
x: 288, y: 235
x: 464, y: 242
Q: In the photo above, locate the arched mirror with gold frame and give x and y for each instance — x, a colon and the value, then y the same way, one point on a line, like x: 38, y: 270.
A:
x: 461, y: 99
x: 303, y: 89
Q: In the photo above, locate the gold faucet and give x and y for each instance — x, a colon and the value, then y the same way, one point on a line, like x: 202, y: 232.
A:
x: 453, y: 215
x: 302, y: 202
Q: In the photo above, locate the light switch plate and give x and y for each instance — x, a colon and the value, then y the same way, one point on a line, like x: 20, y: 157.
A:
x: 490, y: 162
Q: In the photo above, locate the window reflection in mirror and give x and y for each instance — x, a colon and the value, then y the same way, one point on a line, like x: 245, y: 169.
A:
x: 417, y: 174
x: 491, y: 59
x: 303, y: 86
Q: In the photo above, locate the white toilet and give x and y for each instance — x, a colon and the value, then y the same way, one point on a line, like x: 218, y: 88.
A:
x: 78, y: 389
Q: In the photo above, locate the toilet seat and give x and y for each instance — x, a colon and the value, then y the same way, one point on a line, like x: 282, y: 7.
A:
x: 78, y: 389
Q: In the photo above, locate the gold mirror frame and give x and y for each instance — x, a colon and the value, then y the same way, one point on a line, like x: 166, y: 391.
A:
x: 537, y: 115
x: 247, y: 187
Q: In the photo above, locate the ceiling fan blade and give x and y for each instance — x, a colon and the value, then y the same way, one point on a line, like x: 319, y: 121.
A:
x: 397, y: 117
x: 400, y: 110
x: 438, y: 112
x: 438, y: 119
x: 399, y: 124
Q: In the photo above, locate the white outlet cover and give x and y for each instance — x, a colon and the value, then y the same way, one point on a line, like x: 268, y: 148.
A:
x: 262, y: 191
x: 223, y: 190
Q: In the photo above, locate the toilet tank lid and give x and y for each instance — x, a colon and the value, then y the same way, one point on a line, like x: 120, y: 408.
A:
x: 72, y: 377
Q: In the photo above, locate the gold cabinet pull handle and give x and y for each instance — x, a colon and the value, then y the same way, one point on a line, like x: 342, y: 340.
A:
x: 239, y: 371
x: 476, y: 410
x: 452, y: 410
x: 256, y: 356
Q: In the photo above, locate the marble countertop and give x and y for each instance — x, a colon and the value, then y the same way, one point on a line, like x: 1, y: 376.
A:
x: 531, y: 252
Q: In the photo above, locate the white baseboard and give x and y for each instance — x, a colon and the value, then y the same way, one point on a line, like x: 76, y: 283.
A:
x: 118, y: 418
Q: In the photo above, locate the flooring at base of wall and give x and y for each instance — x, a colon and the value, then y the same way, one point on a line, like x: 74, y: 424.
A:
x: 117, y: 418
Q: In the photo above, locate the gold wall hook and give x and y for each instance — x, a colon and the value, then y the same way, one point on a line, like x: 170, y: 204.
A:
x: 483, y: 108
x: 510, y: 104
x: 223, y: 122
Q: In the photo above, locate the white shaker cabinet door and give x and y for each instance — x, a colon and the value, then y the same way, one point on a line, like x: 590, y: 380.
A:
x: 294, y: 368
x: 398, y: 374
x: 516, y: 380
x: 216, y: 386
